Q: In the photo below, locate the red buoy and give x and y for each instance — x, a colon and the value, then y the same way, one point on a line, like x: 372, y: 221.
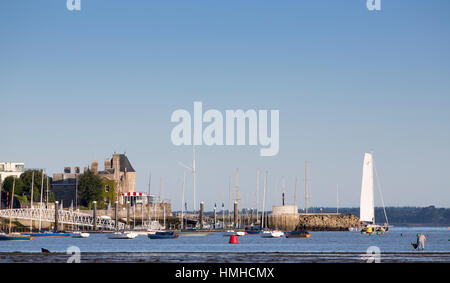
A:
x: 234, y: 239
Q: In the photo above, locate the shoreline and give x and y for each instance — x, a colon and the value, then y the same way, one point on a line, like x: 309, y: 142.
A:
x: 225, y: 257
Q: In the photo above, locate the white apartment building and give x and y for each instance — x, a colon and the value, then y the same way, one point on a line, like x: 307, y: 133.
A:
x: 11, y: 169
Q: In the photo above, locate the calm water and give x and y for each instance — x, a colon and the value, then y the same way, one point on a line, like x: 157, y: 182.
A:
x: 330, y: 242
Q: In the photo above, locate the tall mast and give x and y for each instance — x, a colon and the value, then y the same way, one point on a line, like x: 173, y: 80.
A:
x: 237, y: 185
x: 264, y: 201
x: 46, y: 197
x: 337, y: 198
x: 12, y: 202
x: 194, y: 173
x: 257, y: 192
x: 229, y: 198
x: 148, y: 199
x: 283, y: 185
x: 237, y: 199
x: 182, y: 201
x: 295, y: 191
x: 160, y: 189
x: 31, y: 204
x: 40, y: 203
x: 32, y: 188
x: 306, y: 186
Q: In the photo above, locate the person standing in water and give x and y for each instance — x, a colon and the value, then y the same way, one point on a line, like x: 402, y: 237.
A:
x: 421, y: 241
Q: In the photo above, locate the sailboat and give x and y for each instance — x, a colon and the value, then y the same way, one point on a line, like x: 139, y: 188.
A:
x: 367, y: 208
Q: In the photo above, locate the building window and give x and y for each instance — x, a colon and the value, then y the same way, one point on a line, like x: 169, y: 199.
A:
x: 107, y: 188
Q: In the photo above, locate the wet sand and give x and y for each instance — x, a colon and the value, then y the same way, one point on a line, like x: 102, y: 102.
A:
x: 272, y: 257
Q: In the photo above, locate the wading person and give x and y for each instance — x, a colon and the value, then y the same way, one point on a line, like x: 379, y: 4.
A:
x: 420, y: 244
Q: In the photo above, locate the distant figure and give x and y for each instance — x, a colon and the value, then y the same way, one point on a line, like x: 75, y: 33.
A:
x: 420, y: 244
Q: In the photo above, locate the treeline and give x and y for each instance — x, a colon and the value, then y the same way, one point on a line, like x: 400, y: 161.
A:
x: 403, y: 216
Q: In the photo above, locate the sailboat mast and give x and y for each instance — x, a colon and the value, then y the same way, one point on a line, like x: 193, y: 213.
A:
x: 264, y: 201
x: 306, y: 186
x: 40, y: 203
x: 295, y: 191
x: 32, y: 189
x: 182, y: 201
x: 160, y: 189
x: 31, y: 204
x: 12, y: 202
x: 46, y: 197
x: 148, y: 198
x: 237, y: 200
x: 229, y: 198
x: 257, y: 192
x: 237, y: 185
x: 337, y: 198
x: 194, y: 173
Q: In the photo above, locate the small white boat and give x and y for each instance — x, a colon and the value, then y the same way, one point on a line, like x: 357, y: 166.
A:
x: 355, y: 229
x: 79, y: 234
x: 272, y: 234
x: 123, y: 235
x: 241, y: 233
x: 229, y: 233
x: 194, y: 233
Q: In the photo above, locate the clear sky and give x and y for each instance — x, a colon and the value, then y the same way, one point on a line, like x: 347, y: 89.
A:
x: 77, y: 86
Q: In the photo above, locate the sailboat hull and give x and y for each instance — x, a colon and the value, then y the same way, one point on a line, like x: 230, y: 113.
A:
x: 15, y: 238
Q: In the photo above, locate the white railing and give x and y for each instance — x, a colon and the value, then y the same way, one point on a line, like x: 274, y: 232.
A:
x: 64, y: 217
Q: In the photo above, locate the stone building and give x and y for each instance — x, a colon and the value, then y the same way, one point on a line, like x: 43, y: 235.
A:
x: 118, y: 168
x: 64, y: 186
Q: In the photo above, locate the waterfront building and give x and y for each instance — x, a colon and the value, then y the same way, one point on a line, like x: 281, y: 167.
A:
x: 11, y: 169
x: 118, y: 169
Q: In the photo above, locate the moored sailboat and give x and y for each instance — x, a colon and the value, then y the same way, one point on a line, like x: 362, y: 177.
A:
x: 367, y: 208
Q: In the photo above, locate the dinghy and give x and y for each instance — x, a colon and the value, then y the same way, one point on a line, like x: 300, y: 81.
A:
x: 122, y: 235
x: 272, y: 234
x: 162, y: 235
x: 79, y: 234
x: 298, y: 234
x: 14, y: 237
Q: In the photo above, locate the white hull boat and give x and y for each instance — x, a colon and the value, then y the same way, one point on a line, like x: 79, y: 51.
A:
x: 123, y: 235
x: 229, y: 233
x: 272, y: 234
x: 80, y: 235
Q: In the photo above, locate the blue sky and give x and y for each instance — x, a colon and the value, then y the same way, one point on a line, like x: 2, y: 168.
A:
x: 77, y: 86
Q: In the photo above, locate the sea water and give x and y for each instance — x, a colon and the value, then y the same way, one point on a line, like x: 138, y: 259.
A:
x: 397, y: 240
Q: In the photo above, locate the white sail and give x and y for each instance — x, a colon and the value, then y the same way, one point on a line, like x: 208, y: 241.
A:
x: 366, y: 209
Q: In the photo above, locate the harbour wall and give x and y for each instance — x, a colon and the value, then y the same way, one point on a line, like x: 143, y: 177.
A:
x: 313, y: 222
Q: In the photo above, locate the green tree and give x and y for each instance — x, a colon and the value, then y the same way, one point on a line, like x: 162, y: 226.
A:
x: 8, y: 185
x: 27, y: 178
x: 90, y: 188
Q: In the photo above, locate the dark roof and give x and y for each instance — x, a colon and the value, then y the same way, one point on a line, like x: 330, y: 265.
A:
x: 125, y: 164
